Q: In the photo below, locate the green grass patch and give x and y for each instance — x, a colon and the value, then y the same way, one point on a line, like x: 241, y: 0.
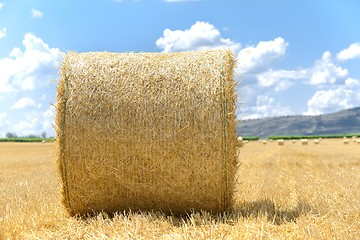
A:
x: 250, y: 138
x: 290, y: 137
x: 20, y: 139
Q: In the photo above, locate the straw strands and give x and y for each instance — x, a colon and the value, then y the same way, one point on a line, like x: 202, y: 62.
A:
x: 146, y: 131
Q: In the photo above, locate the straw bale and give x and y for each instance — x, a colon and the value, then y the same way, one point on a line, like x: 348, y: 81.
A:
x: 240, y: 142
x: 304, y: 141
x: 281, y: 142
x: 146, y: 131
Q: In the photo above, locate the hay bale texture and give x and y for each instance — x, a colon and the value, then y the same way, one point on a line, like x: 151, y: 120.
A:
x: 146, y: 131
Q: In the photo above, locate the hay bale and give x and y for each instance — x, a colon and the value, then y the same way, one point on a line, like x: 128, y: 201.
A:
x: 239, y: 142
x: 280, y: 142
x: 146, y: 131
x: 316, y: 141
x: 304, y: 141
x: 346, y: 141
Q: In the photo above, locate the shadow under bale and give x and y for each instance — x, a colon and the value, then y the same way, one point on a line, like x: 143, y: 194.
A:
x: 272, y: 212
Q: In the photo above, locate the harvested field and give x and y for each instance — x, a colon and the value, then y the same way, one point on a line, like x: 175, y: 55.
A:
x: 283, y: 192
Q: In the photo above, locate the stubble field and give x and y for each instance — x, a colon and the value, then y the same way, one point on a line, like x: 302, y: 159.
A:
x: 283, y: 192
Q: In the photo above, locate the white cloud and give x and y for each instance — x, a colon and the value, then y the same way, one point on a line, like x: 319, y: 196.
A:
x: 280, y: 80
x: 353, y: 51
x: 29, y: 69
x: 257, y: 59
x: 343, y: 97
x: 27, y: 126
x: 200, y: 36
x: 266, y: 106
x: 3, y: 33
x: 1, y: 5
x: 323, y: 72
x: 36, y: 13
x: 23, y: 103
x: 326, y: 72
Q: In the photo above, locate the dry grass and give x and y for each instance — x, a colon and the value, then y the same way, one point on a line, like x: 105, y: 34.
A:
x: 284, y: 192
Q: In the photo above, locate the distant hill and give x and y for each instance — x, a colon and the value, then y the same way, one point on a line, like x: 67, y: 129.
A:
x: 342, y: 122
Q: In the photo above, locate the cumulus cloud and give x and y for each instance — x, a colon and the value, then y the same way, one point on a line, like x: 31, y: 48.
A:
x: 31, y: 68
x: 331, y: 100
x: 201, y: 35
x: 280, y: 80
x: 266, y: 106
x: 257, y: 59
x: 3, y: 33
x: 36, y: 13
x: 325, y: 71
x: 23, y: 103
x: 1, y: 5
x: 353, y: 51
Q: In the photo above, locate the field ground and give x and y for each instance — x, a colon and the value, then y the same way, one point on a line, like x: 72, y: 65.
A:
x: 283, y: 192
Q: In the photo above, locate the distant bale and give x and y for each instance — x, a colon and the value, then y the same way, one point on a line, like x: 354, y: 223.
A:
x: 280, y: 142
x: 346, y: 141
x: 264, y: 142
x: 239, y: 142
x: 316, y: 141
x: 358, y: 141
x: 146, y: 131
x: 304, y: 141
x: 293, y: 141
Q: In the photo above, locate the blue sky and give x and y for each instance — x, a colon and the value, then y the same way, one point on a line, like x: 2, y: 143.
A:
x: 294, y: 57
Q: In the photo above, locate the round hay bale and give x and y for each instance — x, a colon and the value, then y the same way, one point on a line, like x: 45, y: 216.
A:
x: 239, y: 142
x: 146, y: 131
x: 304, y: 141
x: 281, y: 142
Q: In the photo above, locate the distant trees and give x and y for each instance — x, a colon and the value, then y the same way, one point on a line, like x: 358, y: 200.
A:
x: 10, y: 135
x: 43, y: 134
x: 14, y: 135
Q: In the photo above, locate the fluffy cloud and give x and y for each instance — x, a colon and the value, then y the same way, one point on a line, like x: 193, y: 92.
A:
x: 28, y: 71
x: 326, y: 72
x: 280, y: 80
x: 266, y: 106
x: 3, y: 33
x: 257, y: 59
x: 31, y: 68
x: 353, y: 51
x: 201, y: 35
x: 36, y: 13
x: 1, y: 5
x: 23, y: 103
x: 329, y: 100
